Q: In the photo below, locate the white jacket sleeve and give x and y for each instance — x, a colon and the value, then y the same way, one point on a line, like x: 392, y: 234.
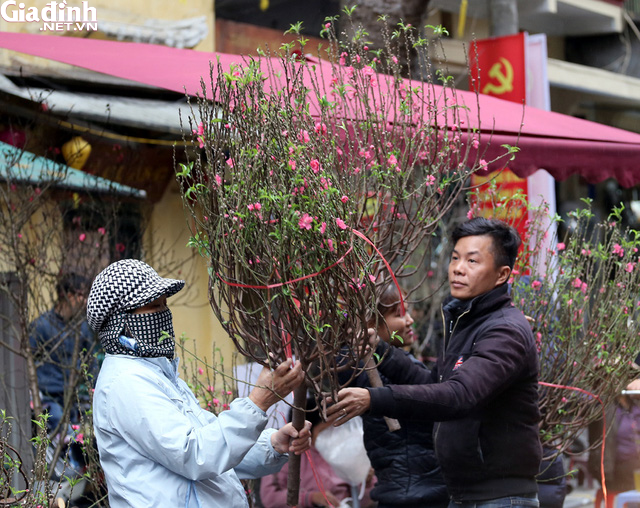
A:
x: 262, y: 459
x: 164, y: 424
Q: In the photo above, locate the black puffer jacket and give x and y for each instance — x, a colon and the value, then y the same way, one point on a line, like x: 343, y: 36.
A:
x: 404, y: 461
x: 484, y: 394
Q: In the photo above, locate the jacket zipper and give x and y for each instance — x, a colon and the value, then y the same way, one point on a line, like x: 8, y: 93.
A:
x: 447, y: 339
x: 452, y: 328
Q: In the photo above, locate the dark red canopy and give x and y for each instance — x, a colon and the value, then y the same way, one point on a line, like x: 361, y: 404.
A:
x: 561, y: 144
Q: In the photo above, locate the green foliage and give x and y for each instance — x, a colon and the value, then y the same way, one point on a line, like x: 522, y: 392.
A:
x: 295, y: 28
x: 438, y: 30
x: 349, y: 10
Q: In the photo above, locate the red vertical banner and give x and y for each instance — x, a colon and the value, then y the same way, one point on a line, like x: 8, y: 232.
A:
x: 498, y: 68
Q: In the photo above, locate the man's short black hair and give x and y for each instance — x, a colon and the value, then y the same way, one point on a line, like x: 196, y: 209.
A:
x: 505, y: 239
x: 72, y: 283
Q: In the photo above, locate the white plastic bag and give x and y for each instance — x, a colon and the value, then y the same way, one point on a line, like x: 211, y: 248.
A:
x: 343, y: 449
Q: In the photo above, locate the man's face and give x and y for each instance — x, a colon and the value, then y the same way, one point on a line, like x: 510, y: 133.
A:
x: 472, y: 268
x: 78, y: 302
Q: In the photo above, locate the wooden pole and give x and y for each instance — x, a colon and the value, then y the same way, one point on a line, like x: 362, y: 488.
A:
x: 297, y: 419
x: 376, y: 382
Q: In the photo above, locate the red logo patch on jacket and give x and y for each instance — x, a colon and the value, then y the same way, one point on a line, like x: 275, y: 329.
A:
x: 458, y: 363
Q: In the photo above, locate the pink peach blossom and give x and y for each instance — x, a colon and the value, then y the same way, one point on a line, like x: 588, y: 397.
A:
x: 315, y: 165
x: 200, y: 130
x: 303, y: 136
x: 305, y: 221
x: 321, y: 128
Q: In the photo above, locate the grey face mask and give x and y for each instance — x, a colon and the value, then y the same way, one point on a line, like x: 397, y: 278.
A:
x: 149, y: 335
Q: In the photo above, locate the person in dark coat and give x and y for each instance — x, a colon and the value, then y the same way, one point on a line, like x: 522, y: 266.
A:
x: 55, y: 336
x: 483, y: 393
x: 404, y: 460
x: 552, y: 480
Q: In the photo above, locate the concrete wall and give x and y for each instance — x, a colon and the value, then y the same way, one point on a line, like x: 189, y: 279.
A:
x: 165, y: 245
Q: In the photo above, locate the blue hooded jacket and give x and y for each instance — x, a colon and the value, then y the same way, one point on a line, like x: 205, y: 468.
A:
x: 158, y: 447
x: 51, y: 332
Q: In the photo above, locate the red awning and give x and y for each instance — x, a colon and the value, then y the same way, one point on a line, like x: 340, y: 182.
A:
x: 561, y: 144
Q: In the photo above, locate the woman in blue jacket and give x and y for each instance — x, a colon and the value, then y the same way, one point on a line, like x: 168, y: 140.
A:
x: 157, y: 446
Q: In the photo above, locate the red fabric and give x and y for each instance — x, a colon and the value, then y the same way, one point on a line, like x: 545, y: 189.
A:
x: 561, y: 144
x: 273, y: 488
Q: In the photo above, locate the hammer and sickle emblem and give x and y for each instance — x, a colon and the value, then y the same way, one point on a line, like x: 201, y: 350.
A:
x: 505, y: 79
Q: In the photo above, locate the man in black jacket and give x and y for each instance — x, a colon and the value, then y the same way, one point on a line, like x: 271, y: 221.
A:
x: 483, y: 391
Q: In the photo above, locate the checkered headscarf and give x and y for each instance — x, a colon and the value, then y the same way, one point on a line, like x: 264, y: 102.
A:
x: 117, y: 290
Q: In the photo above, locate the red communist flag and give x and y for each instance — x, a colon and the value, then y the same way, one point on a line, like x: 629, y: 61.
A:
x: 498, y: 67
